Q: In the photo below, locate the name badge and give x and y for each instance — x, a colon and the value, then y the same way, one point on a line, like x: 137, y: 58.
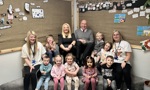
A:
x: 33, y: 62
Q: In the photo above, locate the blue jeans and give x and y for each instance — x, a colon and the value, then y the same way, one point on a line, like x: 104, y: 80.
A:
x: 52, y: 54
x: 46, y: 81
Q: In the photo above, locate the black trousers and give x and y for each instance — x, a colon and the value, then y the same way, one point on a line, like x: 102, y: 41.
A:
x: 83, y: 50
x: 122, y: 73
x: 30, y: 77
x: 64, y: 53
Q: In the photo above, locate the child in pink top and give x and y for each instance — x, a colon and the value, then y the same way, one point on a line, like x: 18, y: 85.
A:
x: 58, y: 72
x: 89, y: 73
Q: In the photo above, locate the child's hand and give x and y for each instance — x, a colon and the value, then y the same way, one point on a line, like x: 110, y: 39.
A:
x: 109, y: 82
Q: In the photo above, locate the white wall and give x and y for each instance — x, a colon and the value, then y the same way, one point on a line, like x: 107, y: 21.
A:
x: 141, y: 63
x: 11, y: 65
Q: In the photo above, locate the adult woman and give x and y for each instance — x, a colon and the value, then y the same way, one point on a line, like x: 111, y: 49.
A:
x: 66, y: 40
x: 32, y: 52
x: 122, y: 50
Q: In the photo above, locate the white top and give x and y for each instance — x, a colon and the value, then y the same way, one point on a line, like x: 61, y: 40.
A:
x: 121, y: 48
x: 41, y: 50
x: 103, y: 54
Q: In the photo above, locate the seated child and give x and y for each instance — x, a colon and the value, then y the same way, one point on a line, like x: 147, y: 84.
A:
x: 89, y: 74
x: 45, y: 68
x: 108, y: 74
x: 71, y: 69
x: 58, y: 72
x: 99, y: 43
x: 105, y: 51
x: 51, y: 48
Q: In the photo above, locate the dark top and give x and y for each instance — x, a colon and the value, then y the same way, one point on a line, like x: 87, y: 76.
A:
x: 108, y: 72
x: 65, y: 41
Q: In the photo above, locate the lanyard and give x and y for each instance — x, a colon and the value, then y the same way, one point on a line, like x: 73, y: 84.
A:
x: 33, y: 51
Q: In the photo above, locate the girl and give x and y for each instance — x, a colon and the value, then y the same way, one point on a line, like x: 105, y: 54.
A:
x: 51, y: 48
x: 58, y: 72
x: 103, y: 54
x: 99, y: 43
x: 71, y: 69
x: 89, y: 73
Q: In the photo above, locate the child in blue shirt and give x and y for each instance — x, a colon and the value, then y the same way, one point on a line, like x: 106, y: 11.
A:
x: 45, y: 69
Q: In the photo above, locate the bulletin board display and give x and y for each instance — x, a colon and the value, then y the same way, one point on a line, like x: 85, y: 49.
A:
x: 53, y: 11
x: 126, y: 23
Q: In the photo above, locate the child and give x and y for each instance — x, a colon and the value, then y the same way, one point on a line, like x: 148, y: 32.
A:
x: 71, y: 69
x: 58, y: 72
x: 108, y: 74
x: 45, y: 71
x: 103, y: 54
x: 89, y: 74
x: 99, y: 43
x: 51, y: 48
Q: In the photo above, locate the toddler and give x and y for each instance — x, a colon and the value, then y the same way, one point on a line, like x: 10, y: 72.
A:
x: 89, y: 74
x: 51, y: 48
x: 58, y: 72
x: 99, y: 43
x: 71, y: 69
x: 45, y: 68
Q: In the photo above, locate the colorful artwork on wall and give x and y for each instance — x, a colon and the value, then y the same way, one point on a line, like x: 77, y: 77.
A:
x: 119, y: 18
x: 143, y: 30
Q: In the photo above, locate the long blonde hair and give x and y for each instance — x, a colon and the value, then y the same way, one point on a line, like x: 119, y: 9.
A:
x: 69, y: 33
x: 29, y: 44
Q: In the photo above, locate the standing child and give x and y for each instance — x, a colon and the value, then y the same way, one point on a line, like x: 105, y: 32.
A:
x: 103, y: 54
x: 71, y: 69
x: 51, y: 48
x: 89, y: 74
x: 58, y: 72
x: 45, y: 71
x: 108, y: 74
x: 99, y: 43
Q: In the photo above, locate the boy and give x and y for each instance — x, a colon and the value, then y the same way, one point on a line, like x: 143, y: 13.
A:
x: 108, y: 74
x: 45, y: 69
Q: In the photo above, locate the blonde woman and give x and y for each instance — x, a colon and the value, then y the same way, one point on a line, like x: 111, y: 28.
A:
x: 32, y: 53
x: 66, y: 41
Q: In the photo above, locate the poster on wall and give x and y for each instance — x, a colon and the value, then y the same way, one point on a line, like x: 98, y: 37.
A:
x: 37, y: 13
x: 143, y: 30
x: 119, y: 18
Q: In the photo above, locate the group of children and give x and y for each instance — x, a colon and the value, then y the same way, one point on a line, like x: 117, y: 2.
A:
x: 101, y: 59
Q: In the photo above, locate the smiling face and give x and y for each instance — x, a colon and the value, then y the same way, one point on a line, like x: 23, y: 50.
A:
x: 89, y: 63
x: 50, y: 39
x: 116, y: 36
x: 65, y: 28
x: 109, y: 61
x: 107, y: 46
x: 69, y: 60
x: 83, y: 24
x: 99, y: 36
x: 32, y: 39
